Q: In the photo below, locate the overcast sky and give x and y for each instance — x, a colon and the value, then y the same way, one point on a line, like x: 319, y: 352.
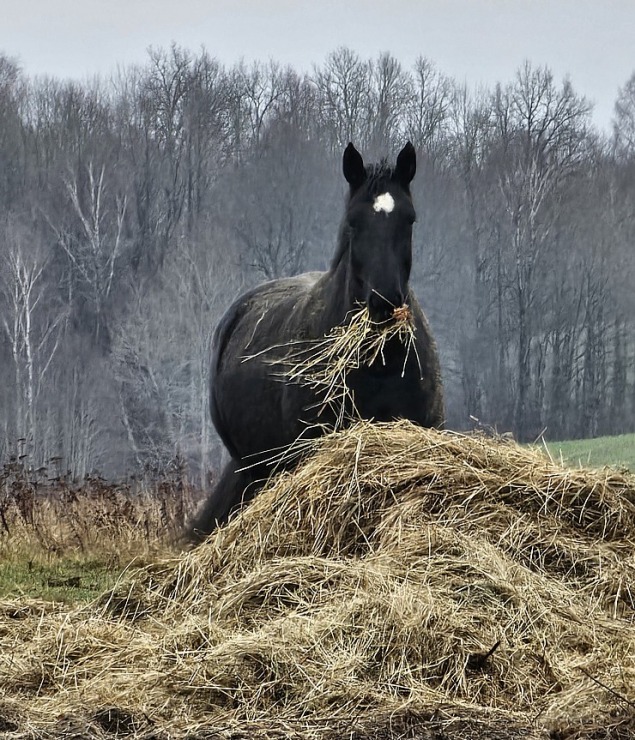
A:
x: 474, y: 41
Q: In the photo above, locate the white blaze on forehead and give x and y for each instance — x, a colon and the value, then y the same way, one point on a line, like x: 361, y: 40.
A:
x: 384, y: 202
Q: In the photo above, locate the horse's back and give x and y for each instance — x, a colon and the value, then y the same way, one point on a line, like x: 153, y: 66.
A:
x: 245, y: 394
x: 251, y: 308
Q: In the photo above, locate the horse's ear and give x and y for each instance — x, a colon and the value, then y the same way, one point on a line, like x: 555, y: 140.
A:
x: 406, y: 165
x: 353, y: 167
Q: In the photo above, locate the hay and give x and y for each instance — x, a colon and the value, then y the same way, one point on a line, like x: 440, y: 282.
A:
x: 324, y: 365
x: 401, y: 582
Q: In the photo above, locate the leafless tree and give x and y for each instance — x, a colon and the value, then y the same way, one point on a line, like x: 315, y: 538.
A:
x: 344, y: 84
x: 542, y: 134
x: 33, y: 322
x: 624, y: 121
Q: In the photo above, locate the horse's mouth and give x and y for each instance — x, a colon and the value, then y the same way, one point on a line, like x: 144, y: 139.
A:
x: 402, y: 313
x: 380, y: 322
x: 390, y: 316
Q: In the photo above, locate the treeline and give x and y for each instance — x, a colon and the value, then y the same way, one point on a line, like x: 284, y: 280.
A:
x: 133, y: 211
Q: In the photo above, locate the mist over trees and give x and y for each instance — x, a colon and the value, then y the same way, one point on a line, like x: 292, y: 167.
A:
x: 133, y: 211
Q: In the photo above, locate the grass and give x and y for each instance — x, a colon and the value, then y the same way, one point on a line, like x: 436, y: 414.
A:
x: 617, y: 451
x: 69, y: 542
x: 70, y: 581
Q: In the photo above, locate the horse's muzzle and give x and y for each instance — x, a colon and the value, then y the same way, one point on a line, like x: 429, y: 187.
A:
x: 382, y: 307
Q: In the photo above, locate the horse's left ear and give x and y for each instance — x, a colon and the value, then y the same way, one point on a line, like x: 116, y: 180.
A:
x: 406, y: 165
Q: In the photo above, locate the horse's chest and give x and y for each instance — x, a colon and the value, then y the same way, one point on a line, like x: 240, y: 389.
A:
x: 387, y: 397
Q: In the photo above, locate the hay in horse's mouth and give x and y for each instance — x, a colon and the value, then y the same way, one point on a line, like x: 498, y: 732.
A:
x: 324, y: 364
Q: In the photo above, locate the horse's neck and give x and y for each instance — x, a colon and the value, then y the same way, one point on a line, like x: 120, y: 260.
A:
x: 338, y: 302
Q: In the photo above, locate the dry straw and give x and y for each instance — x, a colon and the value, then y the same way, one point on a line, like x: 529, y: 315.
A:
x: 43, y: 521
x: 402, y: 582
x: 324, y: 364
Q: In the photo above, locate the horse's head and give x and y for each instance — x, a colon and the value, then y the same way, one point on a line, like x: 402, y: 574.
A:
x: 378, y: 231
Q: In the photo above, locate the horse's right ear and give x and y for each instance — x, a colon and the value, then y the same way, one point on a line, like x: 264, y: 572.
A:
x: 353, y: 167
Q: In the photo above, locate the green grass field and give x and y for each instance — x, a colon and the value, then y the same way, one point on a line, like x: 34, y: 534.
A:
x: 68, y: 580
x: 616, y: 451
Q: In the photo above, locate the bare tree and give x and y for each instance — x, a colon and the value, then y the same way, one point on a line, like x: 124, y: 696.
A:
x: 93, y: 244
x: 33, y: 322
x: 624, y: 120
x: 429, y: 106
x: 542, y: 132
x: 12, y: 150
x: 161, y: 358
x: 390, y: 97
x: 262, y: 88
x: 208, y: 131
x: 344, y: 85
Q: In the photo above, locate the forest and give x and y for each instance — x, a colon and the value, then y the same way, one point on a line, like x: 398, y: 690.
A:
x: 134, y: 209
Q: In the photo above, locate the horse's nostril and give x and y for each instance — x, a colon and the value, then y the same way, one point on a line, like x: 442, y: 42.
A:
x: 374, y: 301
x: 382, y: 302
x: 381, y: 307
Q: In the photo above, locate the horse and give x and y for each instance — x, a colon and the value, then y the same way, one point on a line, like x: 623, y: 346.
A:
x: 253, y: 411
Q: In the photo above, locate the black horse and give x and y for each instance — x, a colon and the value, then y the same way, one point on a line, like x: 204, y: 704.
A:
x: 252, y: 410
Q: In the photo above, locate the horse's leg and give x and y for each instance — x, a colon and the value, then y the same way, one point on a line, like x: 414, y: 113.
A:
x: 233, y: 489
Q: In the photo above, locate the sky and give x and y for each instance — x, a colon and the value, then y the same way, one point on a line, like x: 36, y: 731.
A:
x: 479, y: 42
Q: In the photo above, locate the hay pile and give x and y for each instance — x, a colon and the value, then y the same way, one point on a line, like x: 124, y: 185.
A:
x: 402, y: 583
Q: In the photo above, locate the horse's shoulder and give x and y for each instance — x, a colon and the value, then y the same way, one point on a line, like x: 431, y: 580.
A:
x: 250, y: 306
